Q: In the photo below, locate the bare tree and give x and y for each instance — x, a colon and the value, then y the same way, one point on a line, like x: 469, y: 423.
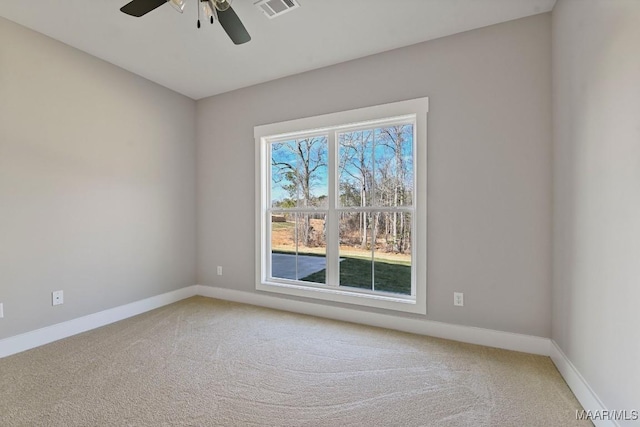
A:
x: 296, y: 165
x: 394, y: 138
x: 355, y: 163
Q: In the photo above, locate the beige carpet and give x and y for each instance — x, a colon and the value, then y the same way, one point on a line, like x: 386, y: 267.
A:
x: 204, y: 362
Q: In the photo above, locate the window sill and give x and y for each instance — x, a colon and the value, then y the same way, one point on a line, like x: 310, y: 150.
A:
x: 388, y: 302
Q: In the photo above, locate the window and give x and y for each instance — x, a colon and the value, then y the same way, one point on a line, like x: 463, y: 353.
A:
x: 342, y: 206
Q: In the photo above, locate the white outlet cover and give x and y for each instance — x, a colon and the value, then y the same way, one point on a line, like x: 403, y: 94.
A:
x: 458, y: 299
x: 57, y: 298
x: 1, y: 310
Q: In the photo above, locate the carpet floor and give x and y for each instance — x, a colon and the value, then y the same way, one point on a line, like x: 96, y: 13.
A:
x: 205, y: 362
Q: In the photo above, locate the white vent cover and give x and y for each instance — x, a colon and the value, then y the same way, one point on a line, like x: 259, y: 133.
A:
x: 273, y: 8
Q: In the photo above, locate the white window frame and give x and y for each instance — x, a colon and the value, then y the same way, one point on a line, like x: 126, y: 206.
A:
x: 414, y: 109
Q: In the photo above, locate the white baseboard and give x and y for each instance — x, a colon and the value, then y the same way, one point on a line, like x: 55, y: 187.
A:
x: 32, y: 339
x: 468, y: 334
x: 581, y: 389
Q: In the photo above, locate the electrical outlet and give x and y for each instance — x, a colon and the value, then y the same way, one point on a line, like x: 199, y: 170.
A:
x: 219, y: 270
x: 458, y: 299
x: 1, y: 310
x: 57, y: 298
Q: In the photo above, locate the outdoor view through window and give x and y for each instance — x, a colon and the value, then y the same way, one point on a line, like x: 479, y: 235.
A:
x: 367, y: 218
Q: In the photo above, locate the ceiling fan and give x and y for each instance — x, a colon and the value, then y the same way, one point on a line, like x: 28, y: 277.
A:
x: 212, y: 8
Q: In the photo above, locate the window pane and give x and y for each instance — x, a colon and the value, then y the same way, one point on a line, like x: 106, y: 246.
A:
x: 284, y: 185
x: 355, y: 157
x: 356, y: 265
x: 392, y: 252
x: 394, y: 165
x: 298, y: 247
x: 312, y: 248
x: 299, y: 173
x: 283, y: 246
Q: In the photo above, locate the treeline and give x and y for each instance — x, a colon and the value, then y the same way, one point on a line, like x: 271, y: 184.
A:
x: 375, y: 170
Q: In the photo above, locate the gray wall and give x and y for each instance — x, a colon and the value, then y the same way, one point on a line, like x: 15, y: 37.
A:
x: 489, y: 166
x: 97, y: 183
x: 596, y: 262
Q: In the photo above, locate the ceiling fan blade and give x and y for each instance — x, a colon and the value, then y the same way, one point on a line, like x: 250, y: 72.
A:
x: 138, y: 8
x: 233, y: 26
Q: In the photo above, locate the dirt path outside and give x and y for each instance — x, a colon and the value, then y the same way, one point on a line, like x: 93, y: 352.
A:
x: 282, y: 239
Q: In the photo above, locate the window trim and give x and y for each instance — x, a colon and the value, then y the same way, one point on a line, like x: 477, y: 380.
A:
x: 361, y: 117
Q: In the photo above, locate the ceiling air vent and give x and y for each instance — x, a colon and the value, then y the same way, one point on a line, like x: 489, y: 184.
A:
x: 274, y: 8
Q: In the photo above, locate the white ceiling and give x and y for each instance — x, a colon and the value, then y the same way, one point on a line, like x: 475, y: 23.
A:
x: 167, y: 48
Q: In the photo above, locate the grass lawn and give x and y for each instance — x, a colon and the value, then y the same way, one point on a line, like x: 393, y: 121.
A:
x: 355, y: 272
x: 282, y: 225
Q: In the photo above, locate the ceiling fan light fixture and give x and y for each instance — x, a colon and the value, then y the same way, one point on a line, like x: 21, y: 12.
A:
x: 222, y: 5
x: 222, y: 12
x: 177, y: 4
x: 208, y: 9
